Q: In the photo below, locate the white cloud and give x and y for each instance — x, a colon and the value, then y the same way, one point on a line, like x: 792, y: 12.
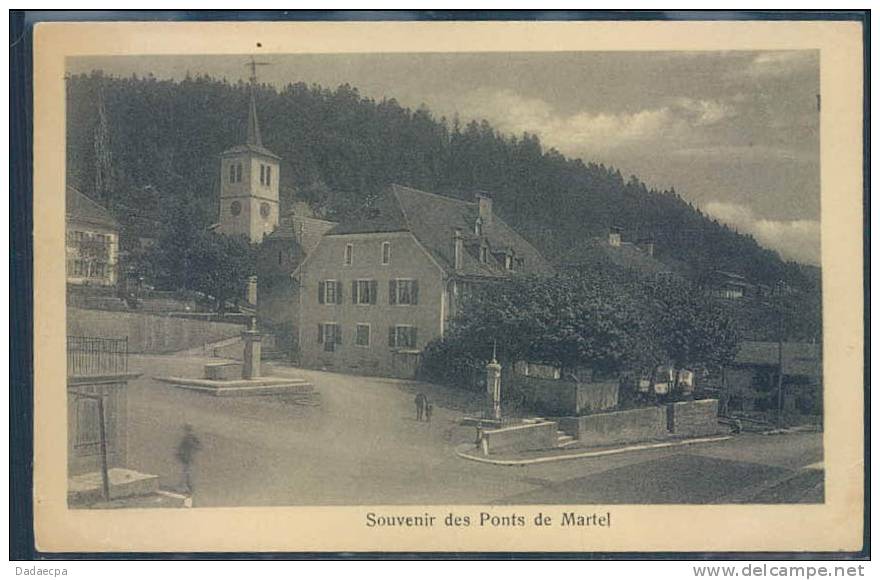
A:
x: 589, y: 132
x: 781, y: 62
x: 793, y: 239
x: 703, y: 112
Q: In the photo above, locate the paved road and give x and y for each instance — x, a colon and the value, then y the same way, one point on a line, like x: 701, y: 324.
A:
x: 362, y: 446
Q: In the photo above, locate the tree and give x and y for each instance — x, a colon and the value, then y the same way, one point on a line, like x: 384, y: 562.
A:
x: 221, y: 266
x: 565, y: 320
x: 190, y: 256
x: 688, y: 326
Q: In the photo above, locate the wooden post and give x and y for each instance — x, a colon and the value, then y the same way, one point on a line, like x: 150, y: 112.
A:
x: 105, y: 473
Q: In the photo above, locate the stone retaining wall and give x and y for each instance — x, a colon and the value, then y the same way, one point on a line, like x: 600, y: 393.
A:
x: 694, y: 418
x: 529, y: 437
x: 629, y: 426
x: 148, y: 333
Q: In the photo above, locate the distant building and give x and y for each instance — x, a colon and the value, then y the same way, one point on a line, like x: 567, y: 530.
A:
x: 375, y: 291
x: 636, y: 257
x: 92, y: 241
x: 249, y: 176
x: 751, y: 379
x: 730, y: 286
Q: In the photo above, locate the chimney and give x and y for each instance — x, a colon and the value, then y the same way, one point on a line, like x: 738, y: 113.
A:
x: 485, y: 204
x: 614, y: 236
x: 457, y: 249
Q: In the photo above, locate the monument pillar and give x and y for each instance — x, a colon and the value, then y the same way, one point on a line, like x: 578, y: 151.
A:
x: 252, y: 351
x: 493, y: 390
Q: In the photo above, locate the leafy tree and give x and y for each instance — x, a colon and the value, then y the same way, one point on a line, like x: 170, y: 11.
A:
x: 564, y: 320
x: 190, y: 256
x: 689, y: 327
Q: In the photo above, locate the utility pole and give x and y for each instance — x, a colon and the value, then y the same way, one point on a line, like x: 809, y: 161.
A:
x: 780, y: 286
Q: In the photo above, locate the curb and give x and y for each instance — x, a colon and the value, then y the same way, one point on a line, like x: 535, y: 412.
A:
x: 460, y: 451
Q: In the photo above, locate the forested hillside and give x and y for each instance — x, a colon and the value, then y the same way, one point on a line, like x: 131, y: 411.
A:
x: 339, y: 148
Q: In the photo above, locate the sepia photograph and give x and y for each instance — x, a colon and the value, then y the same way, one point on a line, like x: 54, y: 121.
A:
x: 502, y: 281
x: 387, y: 279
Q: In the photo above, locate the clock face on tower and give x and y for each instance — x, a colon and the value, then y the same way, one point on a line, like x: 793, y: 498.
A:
x: 235, y: 208
x: 265, y: 209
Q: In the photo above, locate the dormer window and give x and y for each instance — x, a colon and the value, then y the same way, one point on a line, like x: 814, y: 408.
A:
x: 478, y: 226
x: 508, y: 262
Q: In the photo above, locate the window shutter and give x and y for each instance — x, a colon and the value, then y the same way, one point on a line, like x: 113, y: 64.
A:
x: 391, y: 336
x: 415, y: 291
x: 338, y: 332
x: 354, y: 292
x: 392, y: 292
x: 374, y: 289
x: 320, y: 292
x: 413, y: 336
x: 320, y: 333
x: 339, y: 292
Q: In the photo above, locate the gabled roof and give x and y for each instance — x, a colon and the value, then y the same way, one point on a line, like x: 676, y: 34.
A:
x: 79, y: 206
x: 627, y: 255
x: 248, y: 148
x: 433, y: 219
x: 798, y: 358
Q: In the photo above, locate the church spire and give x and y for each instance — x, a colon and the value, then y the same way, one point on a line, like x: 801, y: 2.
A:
x: 253, y: 129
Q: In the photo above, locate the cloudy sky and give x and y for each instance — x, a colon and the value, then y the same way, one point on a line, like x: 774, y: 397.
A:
x: 736, y: 133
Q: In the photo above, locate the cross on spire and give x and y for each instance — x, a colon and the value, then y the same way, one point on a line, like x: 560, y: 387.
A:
x: 253, y: 64
x: 253, y: 129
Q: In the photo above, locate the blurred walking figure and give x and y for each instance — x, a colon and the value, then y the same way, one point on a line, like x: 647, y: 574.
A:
x: 429, y: 410
x: 186, y: 454
x: 421, y: 403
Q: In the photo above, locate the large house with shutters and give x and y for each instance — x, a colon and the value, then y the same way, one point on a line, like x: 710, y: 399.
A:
x: 375, y: 291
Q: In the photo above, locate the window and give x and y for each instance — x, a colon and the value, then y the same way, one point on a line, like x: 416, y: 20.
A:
x: 231, y: 173
x: 478, y: 226
x: 362, y: 335
x: 330, y: 335
x: 280, y: 255
x: 363, y: 292
x: 349, y: 254
x: 235, y: 208
x: 508, y: 262
x: 484, y: 254
x: 329, y: 292
x: 386, y: 253
x: 268, y: 175
x: 402, y: 336
x: 238, y: 172
x: 262, y: 174
x: 403, y: 291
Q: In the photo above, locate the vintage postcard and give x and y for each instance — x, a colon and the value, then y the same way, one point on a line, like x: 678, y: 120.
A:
x: 459, y: 286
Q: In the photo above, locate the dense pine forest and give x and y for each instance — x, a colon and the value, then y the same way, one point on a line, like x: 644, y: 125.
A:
x: 158, y: 142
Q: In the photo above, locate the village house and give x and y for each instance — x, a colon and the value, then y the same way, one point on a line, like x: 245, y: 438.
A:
x: 636, y: 257
x: 376, y: 290
x: 92, y: 242
x: 751, y: 379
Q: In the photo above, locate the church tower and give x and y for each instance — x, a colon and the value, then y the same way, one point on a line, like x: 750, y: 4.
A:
x: 249, y: 176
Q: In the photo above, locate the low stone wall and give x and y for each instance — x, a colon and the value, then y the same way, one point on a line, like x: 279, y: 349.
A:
x: 629, y: 426
x: 529, y: 437
x: 694, y: 418
x: 148, y: 333
x: 597, y: 396
x: 563, y: 397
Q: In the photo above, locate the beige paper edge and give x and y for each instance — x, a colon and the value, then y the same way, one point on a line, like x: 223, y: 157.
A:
x: 836, y: 525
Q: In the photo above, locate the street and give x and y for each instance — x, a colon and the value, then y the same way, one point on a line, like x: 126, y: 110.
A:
x: 361, y: 445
